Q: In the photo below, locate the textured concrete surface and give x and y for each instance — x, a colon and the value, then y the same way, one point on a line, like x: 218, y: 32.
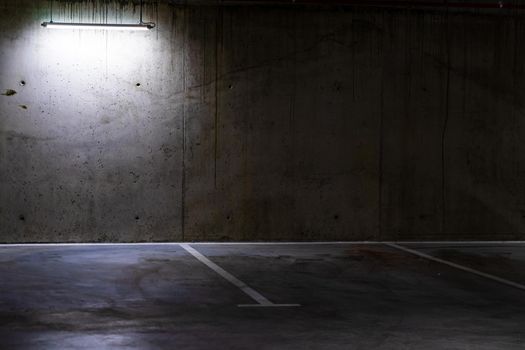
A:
x: 352, y: 296
x: 260, y: 123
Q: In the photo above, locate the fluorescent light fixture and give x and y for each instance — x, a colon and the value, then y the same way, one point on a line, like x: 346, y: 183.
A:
x: 62, y: 25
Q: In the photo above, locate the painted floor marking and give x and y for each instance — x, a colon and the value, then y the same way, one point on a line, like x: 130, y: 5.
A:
x: 261, y: 300
x: 268, y: 305
x: 457, y: 266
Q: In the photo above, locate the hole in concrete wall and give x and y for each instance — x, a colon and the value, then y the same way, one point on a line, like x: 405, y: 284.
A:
x: 137, y: 218
x: 336, y: 217
x: 21, y: 217
x: 228, y: 218
x: 137, y: 84
x: 9, y: 92
x: 22, y: 106
x: 22, y: 82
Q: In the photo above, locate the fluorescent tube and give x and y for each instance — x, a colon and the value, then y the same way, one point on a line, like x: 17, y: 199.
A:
x: 61, y: 25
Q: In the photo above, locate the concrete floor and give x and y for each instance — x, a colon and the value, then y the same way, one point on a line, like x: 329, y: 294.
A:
x: 352, y: 296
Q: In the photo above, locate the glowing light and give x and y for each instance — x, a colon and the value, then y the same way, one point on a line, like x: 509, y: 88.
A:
x: 100, y: 26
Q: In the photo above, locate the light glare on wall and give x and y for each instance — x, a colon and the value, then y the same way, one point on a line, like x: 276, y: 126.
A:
x: 141, y: 25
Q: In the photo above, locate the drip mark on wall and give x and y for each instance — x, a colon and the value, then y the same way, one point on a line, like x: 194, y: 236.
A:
x: 9, y: 92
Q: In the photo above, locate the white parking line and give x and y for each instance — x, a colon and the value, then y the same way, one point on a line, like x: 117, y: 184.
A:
x: 457, y: 266
x: 261, y: 300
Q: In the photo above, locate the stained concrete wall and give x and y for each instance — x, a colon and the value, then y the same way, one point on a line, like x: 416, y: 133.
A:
x: 260, y: 123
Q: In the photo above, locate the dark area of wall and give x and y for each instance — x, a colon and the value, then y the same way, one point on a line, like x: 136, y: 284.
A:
x: 261, y: 123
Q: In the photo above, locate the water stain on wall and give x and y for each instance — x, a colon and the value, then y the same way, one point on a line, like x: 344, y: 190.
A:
x: 9, y: 92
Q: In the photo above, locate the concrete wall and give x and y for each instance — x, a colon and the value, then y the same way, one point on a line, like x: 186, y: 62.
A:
x: 261, y: 123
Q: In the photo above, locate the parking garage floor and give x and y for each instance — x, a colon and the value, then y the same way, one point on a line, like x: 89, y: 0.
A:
x: 263, y: 296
